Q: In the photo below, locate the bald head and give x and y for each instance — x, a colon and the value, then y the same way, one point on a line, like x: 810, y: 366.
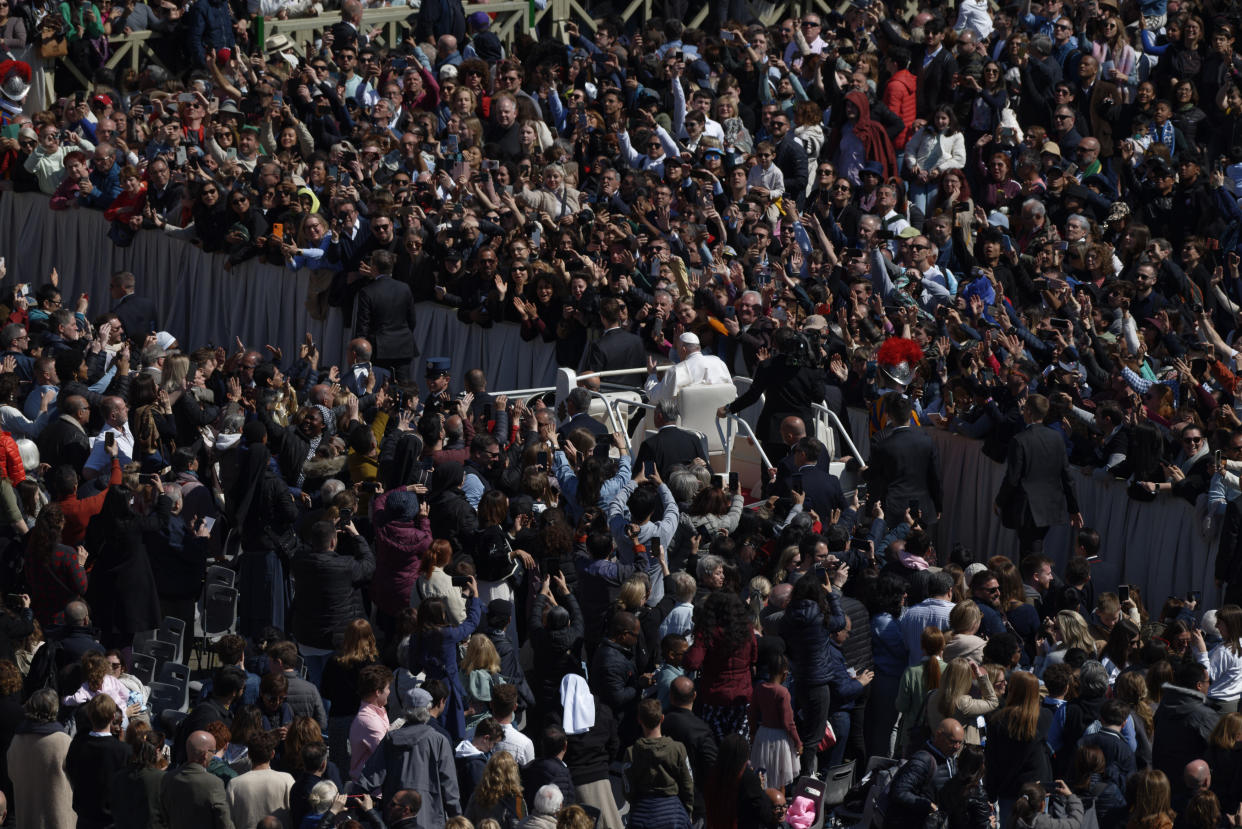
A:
x: 792, y: 430
x: 780, y: 596
x: 199, y: 747
x: 77, y: 613
x: 321, y: 395
x: 949, y: 737
x: 681, y: 692
x: 361, y: 349
x: 1197, y: 775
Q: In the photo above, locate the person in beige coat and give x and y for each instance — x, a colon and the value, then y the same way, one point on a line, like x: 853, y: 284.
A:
x: 953, y: 700
x: 260, y: 791
x: 42, y: 796
x: 555, y: 197
x: 964, y: 642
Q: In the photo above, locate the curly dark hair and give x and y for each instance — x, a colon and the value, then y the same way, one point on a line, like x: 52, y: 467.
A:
x: 886, y: 594
x: 723, y: 620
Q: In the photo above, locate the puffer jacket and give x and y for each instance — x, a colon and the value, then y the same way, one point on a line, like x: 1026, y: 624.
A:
x: 399, y: 546
x: 900, y: 97
x: 209, y: 25
x: 915, y: 787
x: 329, y: 591
x: 804, y: 630
x: 612, y: 677
x: 845, y: 689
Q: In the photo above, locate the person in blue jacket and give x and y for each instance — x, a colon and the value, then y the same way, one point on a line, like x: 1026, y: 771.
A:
x: 209, y: 25
x: 433, y: 650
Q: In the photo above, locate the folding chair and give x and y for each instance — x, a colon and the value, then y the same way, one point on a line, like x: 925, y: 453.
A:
x: 177, y: 676
x: 159, y: 649
x: 172, y: 630
x: 219, y: 614
x: 142, y: 666
x: 837, y: 782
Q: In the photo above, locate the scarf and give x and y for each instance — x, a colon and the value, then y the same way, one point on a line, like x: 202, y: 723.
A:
x: 911, y: 562
x: 579, y: 705
x: 1165, y: 135
x: 877, y: 146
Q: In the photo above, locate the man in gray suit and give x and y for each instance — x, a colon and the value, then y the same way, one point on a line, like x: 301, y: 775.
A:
x: 1038, y: 492
x: 192, y: 797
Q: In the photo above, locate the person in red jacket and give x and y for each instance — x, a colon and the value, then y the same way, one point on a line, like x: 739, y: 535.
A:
x: 724, y: 653
x: 63, y: 483
x: 125, y: 212
x: 900, y: 91
x: 11, y: 465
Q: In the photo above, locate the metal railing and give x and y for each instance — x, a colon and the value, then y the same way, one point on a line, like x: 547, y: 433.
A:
x: 821, y: 409
x: 726, y: 438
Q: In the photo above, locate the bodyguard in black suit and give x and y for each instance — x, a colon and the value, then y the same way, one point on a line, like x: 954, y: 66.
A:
x: 693, y: 732
x: 137, y: 314
x: 577, y: 404
x: 932, y: 65
x: 671, y: 445
x: 356, y: 376
x: 823, y: 490
x: 792, y: 431
x: 1038, y: 492
x: 386, y: 317
x: 616, y: 347
x: 905, y: 465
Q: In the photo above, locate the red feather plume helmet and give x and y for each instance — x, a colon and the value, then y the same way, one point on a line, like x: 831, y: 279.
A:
x: 14, y: 79
x: 897, y: 358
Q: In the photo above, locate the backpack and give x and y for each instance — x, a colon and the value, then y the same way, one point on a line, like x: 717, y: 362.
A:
x: 875, y: 805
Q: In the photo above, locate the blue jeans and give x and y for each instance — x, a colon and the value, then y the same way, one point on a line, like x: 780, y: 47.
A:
x: 922, y: 194
x: 841, y: 727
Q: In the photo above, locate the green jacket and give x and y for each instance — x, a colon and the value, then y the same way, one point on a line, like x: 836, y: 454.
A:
x: 85, y: 15
x: 659, y: 767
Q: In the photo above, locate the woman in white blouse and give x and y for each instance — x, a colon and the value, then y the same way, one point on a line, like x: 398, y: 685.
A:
x: 932, y: 150
x: 1223, y: 662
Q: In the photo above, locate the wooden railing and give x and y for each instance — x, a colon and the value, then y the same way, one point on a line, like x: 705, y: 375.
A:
x: 510, y: 18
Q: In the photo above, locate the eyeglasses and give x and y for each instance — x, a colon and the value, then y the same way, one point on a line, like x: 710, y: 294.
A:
x: 211, y: 192
x: 842, y: 188
x: 1064, y: 117
x: 1192, y: 439
x: 810, y: 24
x: 113, y: 665
x: 384, y: 226
x: 239, y: 200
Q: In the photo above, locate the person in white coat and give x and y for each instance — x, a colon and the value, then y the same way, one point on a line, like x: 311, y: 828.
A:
x: 692, y: 368
x: 932, y: 150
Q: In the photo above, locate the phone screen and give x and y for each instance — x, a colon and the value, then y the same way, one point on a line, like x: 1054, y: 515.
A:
x: 648, y: 468
x: 733, y: 481
x: 542, y: 459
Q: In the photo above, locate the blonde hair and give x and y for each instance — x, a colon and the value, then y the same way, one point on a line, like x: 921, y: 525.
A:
x: 481, y: 655
x: 964, y: 616
x: 1074, y: 632
x: 500, y: 779
x: 632, y: 594
x: 175, y: 372
x: 956, y: 683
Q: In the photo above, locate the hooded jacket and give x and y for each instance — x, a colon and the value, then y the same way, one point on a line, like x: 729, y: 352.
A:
x: 877, y: 146
x: 416, y: 757
x: 659, y: 767
x: 452, y: 517
x: 399, y: 545
x: 1183, y: 727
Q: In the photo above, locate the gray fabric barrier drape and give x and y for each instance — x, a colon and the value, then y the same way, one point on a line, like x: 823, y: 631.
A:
x: 1158, y: 545
x: 202, y: 303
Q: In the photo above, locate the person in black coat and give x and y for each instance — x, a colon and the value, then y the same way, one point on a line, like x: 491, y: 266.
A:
x: 550, y: 769
x: 452, y: 517
x: 789, y: 385
x: 822, y: 489
x: 693, y: 732
x: 64, y: 440
x: 122, y: 592
x: 935, y: 76
x: 905, y: 465
x: 671, y: 445
x: 1037, y: 492
x: 386, y: 317
x: 329, y: 584
x: 91, y: 762
x: 138, y: 315
x: 262, y: 509
x: 616, y: 348
x: 190, y: 413
x: 790, y: 157
x: 916, y: 784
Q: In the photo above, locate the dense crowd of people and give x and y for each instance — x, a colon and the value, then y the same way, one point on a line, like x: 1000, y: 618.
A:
x: 1015, y: 222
